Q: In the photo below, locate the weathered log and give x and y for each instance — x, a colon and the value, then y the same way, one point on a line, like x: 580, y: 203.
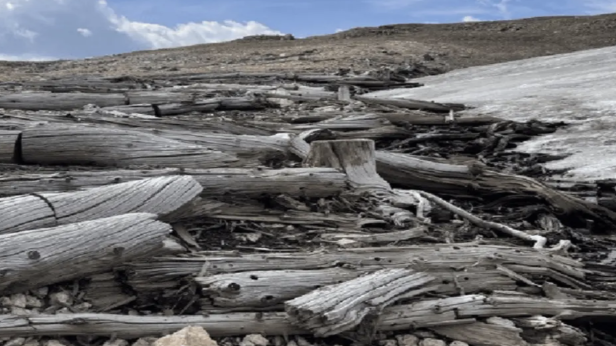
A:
x: 483, y: 334
x: 157, y: 97
x: 456, y: 262
x: 268, y: 289
x: 8, y: 143
x: 335, y: 309
x: 45, y: 256
x: 58, y: 101
x: 413, y: 104
x: 346, y: 123
x: 432, y: 313
x: 21, y: 213
x: 83, y: 145
x: 431, y: 119
x: 457, y: 180
x: 161, y: 195
x: 309, y: 182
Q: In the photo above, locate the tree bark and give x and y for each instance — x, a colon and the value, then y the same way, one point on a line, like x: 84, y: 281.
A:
x: 46, y: 256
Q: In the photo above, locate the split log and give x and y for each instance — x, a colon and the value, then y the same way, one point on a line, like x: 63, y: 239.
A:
x: 335, y: 309
x: 309, y: 182
x: 413, y: 104
x: 82, y: 145
x: 45, y: 256
x: 20, y: 213
x: 346, y: 123
x: 162, y: 196
x: 430, y: 313
x: 8, y: 143
x: 157, y: 97
x: 456, y: 262
x: 268, y: 289
x: 431, y: 119
x: 58, y: 101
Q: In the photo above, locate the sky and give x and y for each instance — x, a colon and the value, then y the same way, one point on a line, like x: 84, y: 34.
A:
x: 75, y: 29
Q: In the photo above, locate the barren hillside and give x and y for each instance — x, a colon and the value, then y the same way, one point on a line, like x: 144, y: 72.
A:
x: 425, y: 48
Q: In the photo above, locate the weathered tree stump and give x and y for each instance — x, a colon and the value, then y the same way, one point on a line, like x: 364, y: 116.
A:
x: 8, y: 142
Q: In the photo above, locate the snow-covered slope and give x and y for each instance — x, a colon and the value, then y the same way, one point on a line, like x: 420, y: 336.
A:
x: 578, y: 88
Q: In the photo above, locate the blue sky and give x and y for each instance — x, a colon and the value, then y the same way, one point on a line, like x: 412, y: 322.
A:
x: 47, y: 29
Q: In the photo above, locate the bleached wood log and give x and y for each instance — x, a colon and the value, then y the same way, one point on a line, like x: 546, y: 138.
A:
x: 83, y: 145
x: 45, y: 256
x: 269, y: 289
x: 310, y: 182
x: 335, y: 309
x: 413, y: 104
x: 20, y: 213
x: 161, y: 196
x: 58, y: 101
x: 211, y: 105
x: 346, y: 123
x: 459, y: 261
x: 483, y: 334
x: 8, y: 142
x: 157, y: 97
x: 430, y: 313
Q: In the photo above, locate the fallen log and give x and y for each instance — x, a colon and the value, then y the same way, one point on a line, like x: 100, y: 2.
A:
x: 413, y: 104
x: 58, y: 101
x: 430, y: 313
x: 484, y: 334
x: 309, y: 182
x: 41, y: 257
x: 8, y: 143
x: 83, y: 145
x: 161, y: 196
x: 455, y: 262
x: 335, y: 309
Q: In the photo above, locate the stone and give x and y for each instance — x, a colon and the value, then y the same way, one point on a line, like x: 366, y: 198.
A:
x: 388, y: 342
x: 407, y: 340
x: 458, y: 343
x: 60, y: 299
x: 432, y: 342
x: 116, y: 342
x: 255, y: 339
x: 189, y: 336
x: 18, y: 300
x: 53, y: 343
x: 15, y: 342
x: 147, y: 341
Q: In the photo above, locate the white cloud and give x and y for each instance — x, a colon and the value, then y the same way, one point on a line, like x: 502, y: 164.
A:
x: 470, y: 19
x: 47, y: 28
x: 85, y: 32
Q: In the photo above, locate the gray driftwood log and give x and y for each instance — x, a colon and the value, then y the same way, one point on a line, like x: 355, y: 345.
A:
x: 335, y: 309
x: 429, y: 313
x: 85, y: 145
x: 161, y: 195
x: 45, y: 256
x: 310, y: 182
x: 58, y: 101
x: 8, y: 141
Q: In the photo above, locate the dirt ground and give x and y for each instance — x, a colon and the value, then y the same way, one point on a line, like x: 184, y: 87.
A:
x: 424, y: 48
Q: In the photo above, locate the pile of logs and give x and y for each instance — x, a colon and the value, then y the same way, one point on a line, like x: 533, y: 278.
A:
x: 283, y: 209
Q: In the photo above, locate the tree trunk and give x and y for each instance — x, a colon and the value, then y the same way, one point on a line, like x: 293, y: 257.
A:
x: 46, y: 256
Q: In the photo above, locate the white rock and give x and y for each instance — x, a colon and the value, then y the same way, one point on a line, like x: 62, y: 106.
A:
x: 116, y: 342
x: 301, y: 341
x: 458, y: 343
x: 388, y: 342
x: 53, y: 343
x: 18, y: 300
x: 33, y: 302
x: 16, y: 342
x: 32, y: 343
x: 432, y: 342
x: 147, y: 341
x: 256, y: 339
x: 407, y: 340
x: 189, y: 336
x: 60, y: 299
